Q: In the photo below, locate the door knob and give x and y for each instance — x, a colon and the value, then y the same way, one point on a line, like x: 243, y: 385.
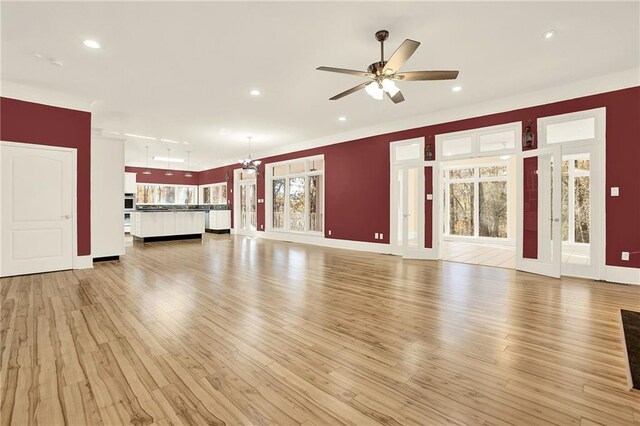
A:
x: 555, y: 219
x: 66, y: 216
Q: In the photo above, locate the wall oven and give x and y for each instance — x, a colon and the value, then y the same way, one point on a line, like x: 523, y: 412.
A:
x: 129, y: 202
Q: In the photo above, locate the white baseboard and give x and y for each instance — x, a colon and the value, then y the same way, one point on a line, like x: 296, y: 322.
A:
x: 619, y: 274
x: 83, y: 262
x: 317, y: 240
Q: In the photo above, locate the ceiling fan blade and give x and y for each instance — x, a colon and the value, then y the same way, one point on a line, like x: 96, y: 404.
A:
x: 350, y: 91
x: 401, y: 55
x: 345, y: 71
x: 427, y: 75
x: 397, y: 98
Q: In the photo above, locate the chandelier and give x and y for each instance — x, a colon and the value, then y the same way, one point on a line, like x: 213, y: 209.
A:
x: 250, y: 165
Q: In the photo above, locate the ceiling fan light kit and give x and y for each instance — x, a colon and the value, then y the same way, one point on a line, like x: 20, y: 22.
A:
x: 384, y: 74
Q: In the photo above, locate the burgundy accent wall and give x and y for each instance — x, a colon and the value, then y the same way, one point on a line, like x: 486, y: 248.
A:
x: 530, y: 208
x: 357, y: 174
x: 158, y: 176
x: 33, y: 123
x: 428, y: 208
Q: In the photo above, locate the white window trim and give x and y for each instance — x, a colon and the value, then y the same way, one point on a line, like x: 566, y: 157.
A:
x: 269, y: 178
x: 475, y: 135
x: 476, y: 180
x: 598, y: 114
x: 195, y: 187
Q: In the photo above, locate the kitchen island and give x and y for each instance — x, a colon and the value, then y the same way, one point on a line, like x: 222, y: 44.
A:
x: 151, y: 223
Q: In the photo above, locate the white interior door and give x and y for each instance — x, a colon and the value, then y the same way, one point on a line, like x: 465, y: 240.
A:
x: 539, y: 212
x: 37, y: 209
x: 407, y: 215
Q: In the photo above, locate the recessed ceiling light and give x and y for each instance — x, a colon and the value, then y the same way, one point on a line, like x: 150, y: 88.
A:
x: 549, y: 34
x: 92, y: 44
x: 343, y: 118
x: 169, y: 159
x: 456, y: 88
x: 505, y: 157
x: 254, y: 92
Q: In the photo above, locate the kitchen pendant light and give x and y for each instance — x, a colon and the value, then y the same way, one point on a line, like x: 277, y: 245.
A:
x: 188, y: 174
x: 250, y: 165
x: 147, y: 172
x: 168, y: 172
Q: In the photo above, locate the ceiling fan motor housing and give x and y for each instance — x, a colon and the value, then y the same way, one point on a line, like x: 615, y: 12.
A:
x: 377, y: 67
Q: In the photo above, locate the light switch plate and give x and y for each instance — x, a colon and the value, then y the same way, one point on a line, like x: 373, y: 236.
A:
x: 625, y: 255
x: 429, y: 196
x: 615, y: 191
x: 381, y: 236
x: 329, y: 231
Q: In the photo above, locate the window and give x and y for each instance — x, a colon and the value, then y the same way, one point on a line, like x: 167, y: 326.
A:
x: 166, y: 194
x: 576, y: 130
x: 576, y: 203
x: 498, y: 140
x: 297, y: 195
x: 214, y: 194
x: 476, y: 201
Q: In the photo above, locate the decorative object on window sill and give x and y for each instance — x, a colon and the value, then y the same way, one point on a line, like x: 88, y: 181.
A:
x: 168, y: 172
x: 428, y: 150
x: 250, y: 165
x: 528, y: 137
x: 147, y: 171
x: 188, y: 174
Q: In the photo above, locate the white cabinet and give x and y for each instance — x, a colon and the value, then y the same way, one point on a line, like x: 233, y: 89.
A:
x: 130, y: 183
x: 166, y: 223
x: 219, y: 220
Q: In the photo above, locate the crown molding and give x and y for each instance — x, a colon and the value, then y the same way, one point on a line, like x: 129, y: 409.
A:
x: 603, y: 84
x: 10, y: 89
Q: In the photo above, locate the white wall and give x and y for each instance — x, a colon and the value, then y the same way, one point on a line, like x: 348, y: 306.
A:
x: 107, y: 197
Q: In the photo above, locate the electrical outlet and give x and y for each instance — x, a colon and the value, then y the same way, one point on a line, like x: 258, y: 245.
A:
x: 329, y: 231
x: 615, y: 191
x: 261, y: 226
x: 625, y: 255
x: 429, y: 197
x: 375, y: 236
x: 381, y: 236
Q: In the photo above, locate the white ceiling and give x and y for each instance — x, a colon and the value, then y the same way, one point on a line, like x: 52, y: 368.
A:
x: 183, y: 70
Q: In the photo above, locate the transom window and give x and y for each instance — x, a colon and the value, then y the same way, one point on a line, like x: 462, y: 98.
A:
x: 295, y: 195
x: 166, y: 194
x: 475, y: 200
x: 496, y: 140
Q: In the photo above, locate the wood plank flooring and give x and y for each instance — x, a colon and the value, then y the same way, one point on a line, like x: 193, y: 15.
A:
x: 234, y: 330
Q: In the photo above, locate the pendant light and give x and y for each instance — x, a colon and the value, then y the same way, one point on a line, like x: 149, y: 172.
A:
x: 188, y: 174
x: 250, y: 165
x: 147, y: 172
x: 168, y: 172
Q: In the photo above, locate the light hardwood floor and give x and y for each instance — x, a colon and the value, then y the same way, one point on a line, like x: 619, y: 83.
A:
x: 242, y: 331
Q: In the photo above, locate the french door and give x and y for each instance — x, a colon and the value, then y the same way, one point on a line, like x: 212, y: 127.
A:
x: 246, y: 206
x: 407, y: 213
x: 37, y: 207
x: 539, y: 239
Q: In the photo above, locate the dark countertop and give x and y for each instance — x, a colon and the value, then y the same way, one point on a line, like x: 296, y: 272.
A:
x: 181, y: 208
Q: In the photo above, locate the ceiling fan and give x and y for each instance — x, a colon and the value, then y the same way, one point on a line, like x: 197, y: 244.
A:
x: 383, y: 74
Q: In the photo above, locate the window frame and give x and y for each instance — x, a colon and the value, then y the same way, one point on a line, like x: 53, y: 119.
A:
x: 201, y: 189
x: 598, y: 114
x: 269, y: 178
x: 476, y: 180
x: 195, y: 188
x: 475, y: 135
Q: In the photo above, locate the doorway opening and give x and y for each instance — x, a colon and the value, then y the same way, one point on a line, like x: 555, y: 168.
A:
x: 478, y: 206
